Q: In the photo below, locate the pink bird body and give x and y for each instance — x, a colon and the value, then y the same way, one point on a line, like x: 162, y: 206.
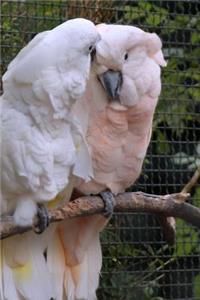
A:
x: 118, y: 135
x: 119, y: 139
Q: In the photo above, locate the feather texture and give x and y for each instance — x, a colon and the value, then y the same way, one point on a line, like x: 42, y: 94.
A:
x: 118, y: 135
x: 80, y: 242
x: 43, y: 147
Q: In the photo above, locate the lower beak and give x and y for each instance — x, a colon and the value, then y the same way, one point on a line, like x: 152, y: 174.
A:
x: 112, y: 82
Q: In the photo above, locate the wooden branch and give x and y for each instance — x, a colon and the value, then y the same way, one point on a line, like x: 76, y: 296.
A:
x: 168, y: 205
x: 187, y: 188
x: 168, y: 224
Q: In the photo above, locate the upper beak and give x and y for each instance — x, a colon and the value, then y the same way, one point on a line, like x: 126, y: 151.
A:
x: 112, y: 82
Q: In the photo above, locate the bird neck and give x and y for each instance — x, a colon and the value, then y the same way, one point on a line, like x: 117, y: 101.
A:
x: 117, y: 119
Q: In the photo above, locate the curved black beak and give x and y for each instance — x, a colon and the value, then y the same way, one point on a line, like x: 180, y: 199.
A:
x: 112, y: 82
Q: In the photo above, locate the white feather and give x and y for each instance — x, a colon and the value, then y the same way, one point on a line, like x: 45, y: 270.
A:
x: 39, y: 145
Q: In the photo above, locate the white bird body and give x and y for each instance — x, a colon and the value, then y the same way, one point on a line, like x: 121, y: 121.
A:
x: 40, y: 87
x: 43, y: 147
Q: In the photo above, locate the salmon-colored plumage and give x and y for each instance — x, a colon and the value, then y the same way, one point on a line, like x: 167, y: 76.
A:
x: 118, y: 136
x: 119, y: 140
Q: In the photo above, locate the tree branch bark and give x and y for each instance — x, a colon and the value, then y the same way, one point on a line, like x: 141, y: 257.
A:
x: 167, y: 205
x: 170, y: 205
x: 195, y: 178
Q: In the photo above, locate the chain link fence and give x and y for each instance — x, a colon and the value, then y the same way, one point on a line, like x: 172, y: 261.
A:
x: 137, y: 262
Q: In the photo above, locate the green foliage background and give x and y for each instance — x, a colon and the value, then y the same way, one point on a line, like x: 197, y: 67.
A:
x: 137, y: 262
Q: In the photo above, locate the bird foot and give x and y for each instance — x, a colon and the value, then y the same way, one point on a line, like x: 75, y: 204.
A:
x: 109, y: 203
x: 42, y: 219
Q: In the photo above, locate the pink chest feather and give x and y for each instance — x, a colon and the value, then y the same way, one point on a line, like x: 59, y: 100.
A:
x: 118, y: 140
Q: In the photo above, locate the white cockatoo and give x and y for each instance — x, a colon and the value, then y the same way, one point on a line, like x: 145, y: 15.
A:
x: 120, y: 100
x: 42, y: 147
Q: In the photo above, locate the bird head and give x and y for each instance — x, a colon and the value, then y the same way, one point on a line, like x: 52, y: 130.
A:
x: 126, y: 62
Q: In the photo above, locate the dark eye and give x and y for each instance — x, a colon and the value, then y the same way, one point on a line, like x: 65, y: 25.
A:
x: 126, y: 56
x: 92, y: 53
x: 91, y: 48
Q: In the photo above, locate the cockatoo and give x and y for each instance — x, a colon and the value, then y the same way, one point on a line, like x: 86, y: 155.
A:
x: 120, y: 100
x: 43, y: 148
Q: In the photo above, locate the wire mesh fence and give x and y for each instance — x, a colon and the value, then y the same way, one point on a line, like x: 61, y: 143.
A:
x: 137, y: 262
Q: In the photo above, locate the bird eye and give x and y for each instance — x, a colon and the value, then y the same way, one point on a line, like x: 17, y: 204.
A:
x: 92, y: 53
x: 126, y: 56
x: 91, y: 48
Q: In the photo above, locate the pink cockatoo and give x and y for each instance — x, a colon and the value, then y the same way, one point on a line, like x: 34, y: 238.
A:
x: 118, y: 110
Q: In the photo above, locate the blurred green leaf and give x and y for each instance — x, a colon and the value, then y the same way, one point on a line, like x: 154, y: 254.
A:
x: 195, y: 37
x: 187, y: 239
x: 197, y: 287
x: 162, y: 146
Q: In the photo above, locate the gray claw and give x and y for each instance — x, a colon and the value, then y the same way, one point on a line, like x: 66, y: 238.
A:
x: 109, y: 203
x: 43, y: 219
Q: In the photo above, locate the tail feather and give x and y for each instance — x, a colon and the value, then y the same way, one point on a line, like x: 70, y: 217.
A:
x: 1, y: 271
x: 81, y: 282
x: 69, y: 285
x: 8, y: 288
x: 83, y: 257
x: 95, y: 259
x: 25, y: 273
x: 56, y: 265
x: 86, y: 274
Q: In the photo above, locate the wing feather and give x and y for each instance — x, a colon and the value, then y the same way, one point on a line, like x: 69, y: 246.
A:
x: 28, y: 48
x: 27, y: 158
